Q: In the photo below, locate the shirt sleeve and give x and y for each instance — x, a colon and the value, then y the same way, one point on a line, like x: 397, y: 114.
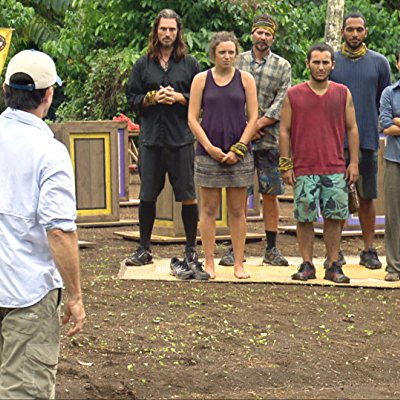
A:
x: 384, y: 78
x: 194, y: 71
x: 239, y: 62
x: 135, y: 91
x: 274, y: 110
x: 57, y: 204
x: 385, y: 110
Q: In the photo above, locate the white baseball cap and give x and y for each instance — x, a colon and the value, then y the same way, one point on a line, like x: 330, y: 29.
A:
x: 39, y: 66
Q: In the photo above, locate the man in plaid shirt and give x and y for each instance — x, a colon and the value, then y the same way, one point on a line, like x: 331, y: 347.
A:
x: 273, y: 77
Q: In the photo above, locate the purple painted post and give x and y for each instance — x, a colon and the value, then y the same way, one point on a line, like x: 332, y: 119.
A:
x: 250, y: 197
x: 353, y: 220
x: 121, y: 153
x: 250, y: 202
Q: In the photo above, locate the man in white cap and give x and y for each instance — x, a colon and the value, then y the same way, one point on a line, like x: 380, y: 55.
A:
x: 38, y: 245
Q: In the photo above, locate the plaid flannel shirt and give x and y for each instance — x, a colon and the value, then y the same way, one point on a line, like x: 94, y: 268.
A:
x: 273, y: 78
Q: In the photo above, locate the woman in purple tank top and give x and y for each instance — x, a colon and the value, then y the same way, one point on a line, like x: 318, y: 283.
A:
x: 228, y: 101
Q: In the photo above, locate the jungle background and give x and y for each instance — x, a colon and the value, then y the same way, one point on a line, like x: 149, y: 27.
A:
x: 189, y: 340
x: 95, y: 43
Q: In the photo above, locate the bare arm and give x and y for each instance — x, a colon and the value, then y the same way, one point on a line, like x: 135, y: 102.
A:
x: 396, y: 121
x: 252, y: 114
x: 284, y: 139
x: 251, y: 106
x: 353, y: 139
x: 265, y: 121
x: 393, y: 130
x: 261, y: 123
x: 64, y: 249
x: 196, y: 96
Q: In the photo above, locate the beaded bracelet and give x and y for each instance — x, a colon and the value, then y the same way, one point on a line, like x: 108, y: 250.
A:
x: 151, y: 97
x: 239, y: 149
x: 285, y: 164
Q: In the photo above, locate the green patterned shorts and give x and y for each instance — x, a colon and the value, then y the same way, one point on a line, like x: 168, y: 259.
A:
x: 329, y: 193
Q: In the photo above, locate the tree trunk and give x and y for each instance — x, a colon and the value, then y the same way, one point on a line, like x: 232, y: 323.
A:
x: 333, y: 25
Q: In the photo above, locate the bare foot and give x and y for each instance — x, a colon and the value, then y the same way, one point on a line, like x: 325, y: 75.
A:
x: 240, y: 273
x: 211, y: 271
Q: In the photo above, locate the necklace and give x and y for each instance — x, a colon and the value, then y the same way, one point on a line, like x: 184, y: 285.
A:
x: 164, y: 63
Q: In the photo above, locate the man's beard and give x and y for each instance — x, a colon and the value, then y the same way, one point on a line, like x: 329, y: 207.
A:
x: 354, y: 46
x: 261, y: 46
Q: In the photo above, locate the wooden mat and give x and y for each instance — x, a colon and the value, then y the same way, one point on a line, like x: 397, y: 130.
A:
x: 359, y: 276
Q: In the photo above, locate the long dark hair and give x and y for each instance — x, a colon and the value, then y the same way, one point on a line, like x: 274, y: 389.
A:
x: 179, y: 46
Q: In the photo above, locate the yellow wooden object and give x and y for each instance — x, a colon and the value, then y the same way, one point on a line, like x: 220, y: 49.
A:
x: 106, y: 146
x: 93, y: 147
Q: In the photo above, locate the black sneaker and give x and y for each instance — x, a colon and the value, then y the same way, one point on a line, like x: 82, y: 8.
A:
x: 306, y: 271
x: 140, y: 257
x: 192, y: 262
x: 335, y: 274
x: 228, y: 259
x: 392, y: 277
x: 274, y: 257
x: 180, y: 270
x: 341, y: 260
x: 370, y: 259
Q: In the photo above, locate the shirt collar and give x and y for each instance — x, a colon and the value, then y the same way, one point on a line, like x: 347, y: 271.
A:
x: 28, y: 119
x: 265, y: 58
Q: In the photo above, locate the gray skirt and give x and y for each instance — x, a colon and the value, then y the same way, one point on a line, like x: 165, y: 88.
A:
x: 212, y: 174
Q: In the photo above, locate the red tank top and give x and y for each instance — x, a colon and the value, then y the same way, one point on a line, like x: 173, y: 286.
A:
x: 318, y: 129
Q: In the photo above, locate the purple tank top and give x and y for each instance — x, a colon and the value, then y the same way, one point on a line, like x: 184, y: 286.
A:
x: 224, y: 112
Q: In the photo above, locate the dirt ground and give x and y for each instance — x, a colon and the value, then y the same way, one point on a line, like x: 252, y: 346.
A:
x: 208, y: 340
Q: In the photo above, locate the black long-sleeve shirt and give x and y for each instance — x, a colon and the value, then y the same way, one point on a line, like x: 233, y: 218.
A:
x: 162, y: 124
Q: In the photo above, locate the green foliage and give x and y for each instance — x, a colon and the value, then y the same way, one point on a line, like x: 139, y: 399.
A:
x: 95, y: 43
x: 103, y: 94
x: 35, y: 21
x: 15, y: 15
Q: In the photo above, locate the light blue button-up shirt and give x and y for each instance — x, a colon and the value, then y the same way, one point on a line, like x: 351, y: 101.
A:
x: 389, y: 109
x: 37, y: 193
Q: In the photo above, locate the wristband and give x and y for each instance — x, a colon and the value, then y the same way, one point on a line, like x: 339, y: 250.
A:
x: 239, y: 149
x: 285, y: 164
x: 151, y: 97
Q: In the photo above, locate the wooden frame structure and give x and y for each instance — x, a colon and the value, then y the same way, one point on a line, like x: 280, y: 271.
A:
x: 93, y: 147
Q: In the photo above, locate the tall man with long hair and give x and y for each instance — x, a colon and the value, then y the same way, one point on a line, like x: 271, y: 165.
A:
x: 366, y: 73
x: 158, y: 92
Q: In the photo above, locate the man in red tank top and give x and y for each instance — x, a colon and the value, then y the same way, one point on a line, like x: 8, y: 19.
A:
x: 314, y: 119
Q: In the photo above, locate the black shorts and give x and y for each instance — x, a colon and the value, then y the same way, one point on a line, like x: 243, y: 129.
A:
x: 367, y: 184
x: 155, y: 162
